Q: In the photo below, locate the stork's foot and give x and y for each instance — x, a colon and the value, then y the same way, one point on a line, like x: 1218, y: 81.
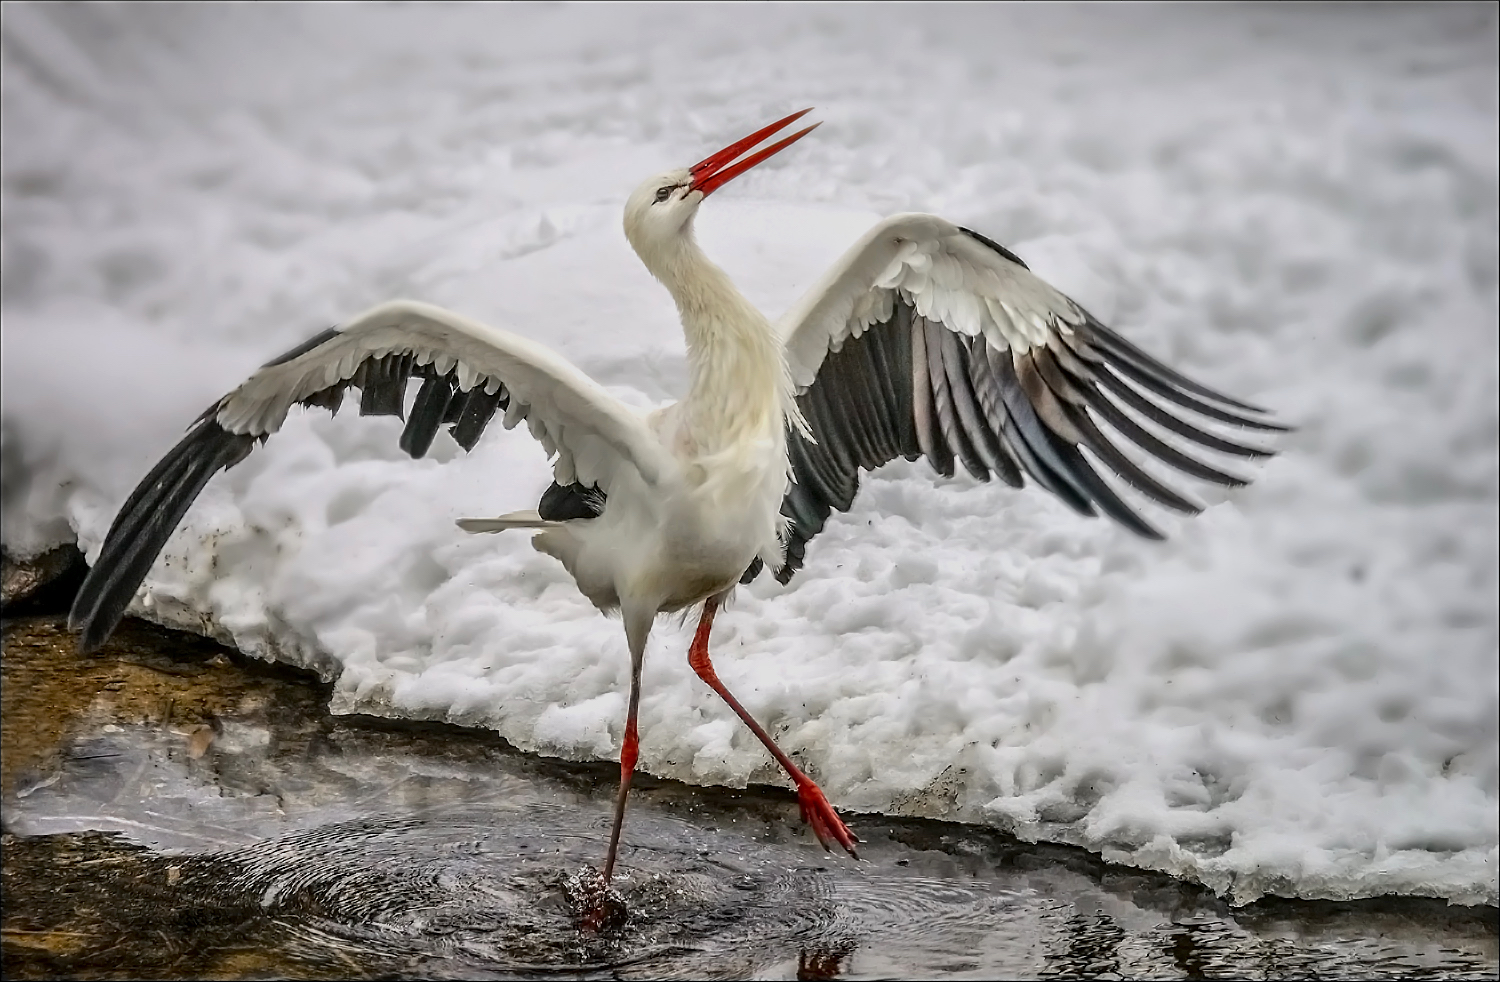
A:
x: 825, y: 822
x: 598, y: 906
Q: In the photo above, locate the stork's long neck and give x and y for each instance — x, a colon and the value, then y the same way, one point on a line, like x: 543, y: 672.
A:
x: 738, y: 382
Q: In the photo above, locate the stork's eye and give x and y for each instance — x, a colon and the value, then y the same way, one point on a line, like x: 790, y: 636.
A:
x: 662, y: 194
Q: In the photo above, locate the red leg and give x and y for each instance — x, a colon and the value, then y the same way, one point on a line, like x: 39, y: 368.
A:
x: 629, y: 752
x: 601, y: 907
x: 816, y: 811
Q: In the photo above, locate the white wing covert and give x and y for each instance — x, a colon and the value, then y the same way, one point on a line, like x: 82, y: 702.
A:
x: 930, y: 340
x: 469, y: 372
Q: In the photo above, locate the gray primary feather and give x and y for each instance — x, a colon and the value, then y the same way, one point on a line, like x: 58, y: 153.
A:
x: 146, y: 521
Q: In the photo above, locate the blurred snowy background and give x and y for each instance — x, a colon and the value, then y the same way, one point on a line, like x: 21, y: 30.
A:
x: 1297, y: 694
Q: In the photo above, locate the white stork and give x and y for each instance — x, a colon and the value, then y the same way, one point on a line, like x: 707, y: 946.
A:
x: 925, y: 339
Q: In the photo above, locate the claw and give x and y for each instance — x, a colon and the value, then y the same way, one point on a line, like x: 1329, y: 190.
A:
x: 825, y: 822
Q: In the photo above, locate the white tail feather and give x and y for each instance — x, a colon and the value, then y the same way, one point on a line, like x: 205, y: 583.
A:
x: 514, y: 520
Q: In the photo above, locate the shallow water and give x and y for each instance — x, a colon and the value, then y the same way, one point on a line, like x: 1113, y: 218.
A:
x: 173, y: 811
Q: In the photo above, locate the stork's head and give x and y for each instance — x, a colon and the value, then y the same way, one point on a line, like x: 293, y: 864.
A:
x: 659, y: 213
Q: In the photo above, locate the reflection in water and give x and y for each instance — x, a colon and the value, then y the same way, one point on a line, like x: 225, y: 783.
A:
x: 819, y: 963
x: 1092, y: 948
x: 1185, y: 953
x: 259, y: 837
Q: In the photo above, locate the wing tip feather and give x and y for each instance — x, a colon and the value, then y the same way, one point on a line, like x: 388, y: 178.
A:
x: 145, y: 523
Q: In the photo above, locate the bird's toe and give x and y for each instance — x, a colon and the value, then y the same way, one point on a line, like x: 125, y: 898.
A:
x: 825, y: 822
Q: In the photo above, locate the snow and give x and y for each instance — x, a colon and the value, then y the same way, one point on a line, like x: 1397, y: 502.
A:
x: 1297, y: 694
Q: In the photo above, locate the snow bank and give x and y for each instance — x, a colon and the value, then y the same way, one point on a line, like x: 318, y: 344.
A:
x: 1296, y: 695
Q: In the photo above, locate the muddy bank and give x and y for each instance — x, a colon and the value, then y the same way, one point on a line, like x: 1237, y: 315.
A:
x: 174, y: 810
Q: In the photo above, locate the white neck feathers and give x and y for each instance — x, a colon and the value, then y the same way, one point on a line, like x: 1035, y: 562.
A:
x: 739, y: 386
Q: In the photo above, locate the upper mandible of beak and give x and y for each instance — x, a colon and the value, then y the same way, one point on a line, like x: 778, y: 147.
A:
x: 715, y: 171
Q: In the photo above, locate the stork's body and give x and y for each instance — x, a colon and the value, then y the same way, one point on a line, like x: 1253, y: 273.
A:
x: 924, y: 340
x: 717, y: 507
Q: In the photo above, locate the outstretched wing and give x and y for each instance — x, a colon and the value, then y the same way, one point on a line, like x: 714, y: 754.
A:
x: 927, y: 339
x: 469, y: 371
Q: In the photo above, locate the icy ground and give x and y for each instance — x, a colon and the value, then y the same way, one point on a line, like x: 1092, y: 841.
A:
x: 1296, y: 695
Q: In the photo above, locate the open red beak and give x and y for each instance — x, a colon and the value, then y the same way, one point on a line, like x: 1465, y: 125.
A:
x: 714, y: 172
